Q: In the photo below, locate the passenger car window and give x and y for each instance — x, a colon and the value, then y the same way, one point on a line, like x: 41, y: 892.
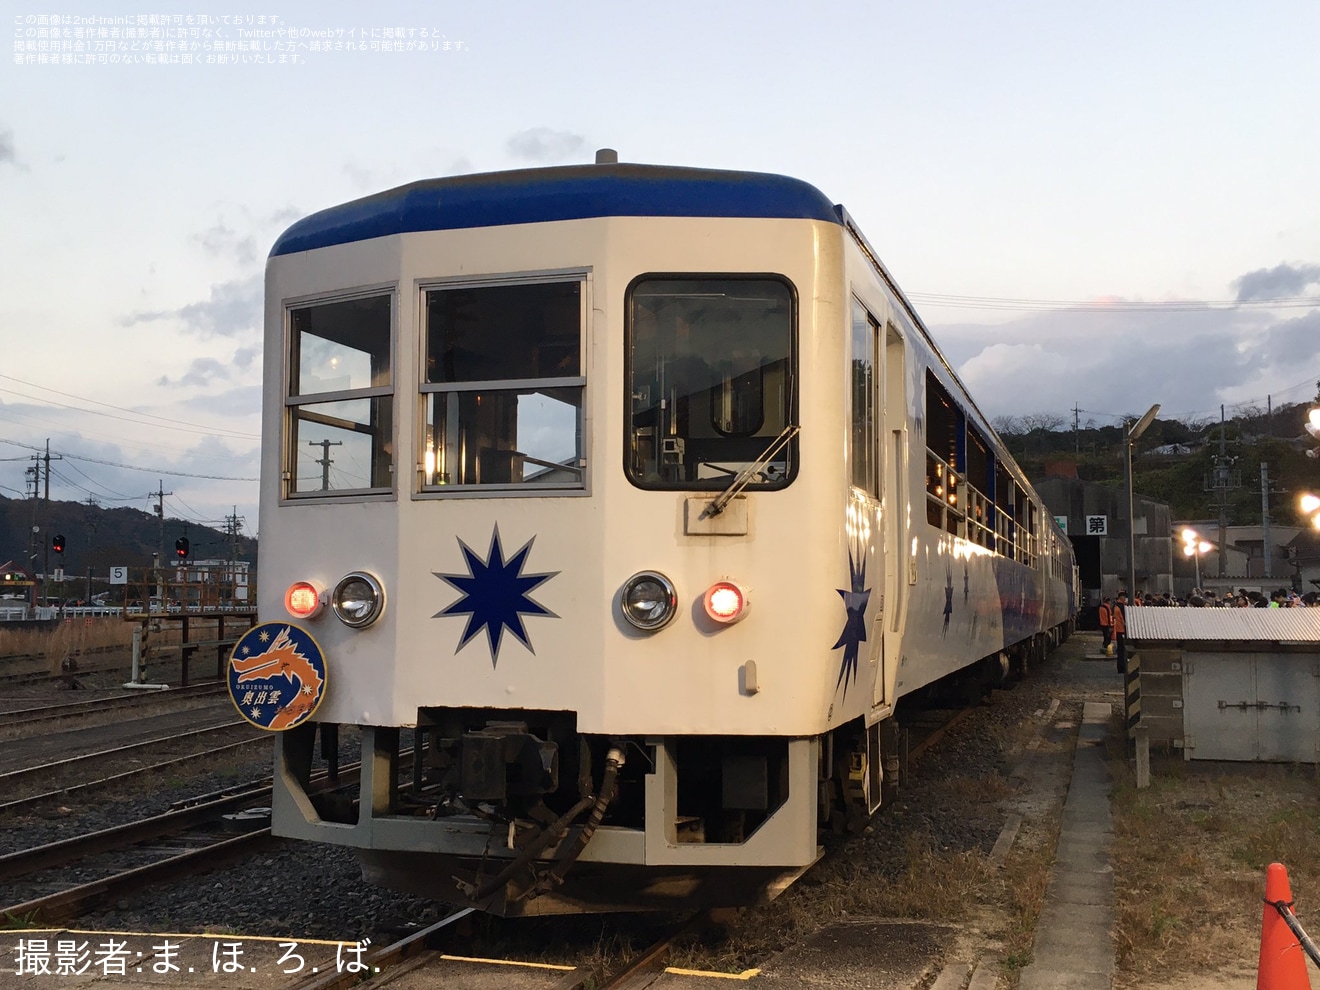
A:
x: 503, y: 385
x: 340, y: 397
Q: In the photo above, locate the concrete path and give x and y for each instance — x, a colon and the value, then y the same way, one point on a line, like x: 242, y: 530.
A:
x: 1074, y: 947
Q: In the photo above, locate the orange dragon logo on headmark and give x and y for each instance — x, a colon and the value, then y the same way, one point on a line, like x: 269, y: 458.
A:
x: 281, y: 684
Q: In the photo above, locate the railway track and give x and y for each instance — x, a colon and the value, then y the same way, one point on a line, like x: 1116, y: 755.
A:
x: 424, y: 951
x: 13, y: 777
x: 73, y: 876
x: 45, y: 714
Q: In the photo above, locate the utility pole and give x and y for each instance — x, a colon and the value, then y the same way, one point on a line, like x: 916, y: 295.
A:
x: 1265, y: 515
x: 45, y: 560
x: 233, y: 529
x: 325, y: 460
x: 32, y: 476
x: 159, y: 556
x: 91, y: 503
x: 1222, y: 480
x: 159, y: 495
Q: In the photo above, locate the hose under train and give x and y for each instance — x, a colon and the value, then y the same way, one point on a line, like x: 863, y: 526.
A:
x: 554, y: 831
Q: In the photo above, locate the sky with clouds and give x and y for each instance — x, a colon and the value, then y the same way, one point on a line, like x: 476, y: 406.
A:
x: 1098, y: 207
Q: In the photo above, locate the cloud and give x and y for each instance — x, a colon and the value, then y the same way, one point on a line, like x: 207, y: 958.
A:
x: 202, y: 371
x: 1112, y: 363
x: 222, y: 241
x: 8, y: 153
x: 205, y: 371
x: 1278, y: 282
x: 233, y: 309
x: 541, y: 144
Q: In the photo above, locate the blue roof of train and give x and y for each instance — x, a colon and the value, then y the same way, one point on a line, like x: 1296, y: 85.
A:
x: 572, y: 192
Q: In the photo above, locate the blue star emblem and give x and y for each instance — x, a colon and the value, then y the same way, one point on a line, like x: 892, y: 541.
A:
x: 854, y: 627
x: 495, y: 594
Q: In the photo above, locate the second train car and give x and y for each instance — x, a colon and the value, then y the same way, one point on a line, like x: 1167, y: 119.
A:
x: 619, y: 506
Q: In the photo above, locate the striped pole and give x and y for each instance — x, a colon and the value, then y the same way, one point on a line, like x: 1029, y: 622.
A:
x: 1132, y: 689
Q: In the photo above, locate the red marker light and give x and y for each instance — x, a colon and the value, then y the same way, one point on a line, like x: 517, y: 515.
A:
x: 725, y: 602
x: 303, y: 600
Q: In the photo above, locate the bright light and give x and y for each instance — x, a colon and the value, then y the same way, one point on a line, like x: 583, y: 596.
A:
x: 1189, y: 536
x: 725, y: 602
x: 1313, y: 422
x: 1310, y: 503
x: 303, y: 600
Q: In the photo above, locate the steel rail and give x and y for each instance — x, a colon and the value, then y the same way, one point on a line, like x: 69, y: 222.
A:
x: 68, y: 904
x: 19, y: 803
x: 25, y: 861
x: 12, y: 776
x: 48, y: 713
x: 386, y: 957
x: 44, y: 857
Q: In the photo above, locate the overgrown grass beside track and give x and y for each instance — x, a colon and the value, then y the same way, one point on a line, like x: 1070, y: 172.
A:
x: 63, y: 639
x: 1190, y: 858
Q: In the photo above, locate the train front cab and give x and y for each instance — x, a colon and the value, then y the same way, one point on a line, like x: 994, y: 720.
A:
x: 724, y: 747
x: 716, y: 731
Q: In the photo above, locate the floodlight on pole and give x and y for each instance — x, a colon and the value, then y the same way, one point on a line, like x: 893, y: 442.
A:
x: 1194, y: 546
x: 1310, y: 505
x: 1313, y: 428
x: 1131, y: 434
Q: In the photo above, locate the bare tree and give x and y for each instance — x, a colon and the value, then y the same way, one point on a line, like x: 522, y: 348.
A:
x: 1049, y: 422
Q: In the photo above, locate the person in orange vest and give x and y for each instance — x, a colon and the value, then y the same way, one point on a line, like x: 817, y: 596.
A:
x: 1120, y: 630
x: 1107, y: 625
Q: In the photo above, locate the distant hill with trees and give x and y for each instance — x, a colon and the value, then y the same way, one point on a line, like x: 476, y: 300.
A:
x: 1173, y: 462
x: 97, y: 538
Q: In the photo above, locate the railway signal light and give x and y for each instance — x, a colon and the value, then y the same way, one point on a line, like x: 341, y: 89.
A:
x: 181, y: 547
x: 57, y: 543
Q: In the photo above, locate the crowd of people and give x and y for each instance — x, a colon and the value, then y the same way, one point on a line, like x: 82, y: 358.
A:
x: 1279, y: 598
x: 1112, y: 614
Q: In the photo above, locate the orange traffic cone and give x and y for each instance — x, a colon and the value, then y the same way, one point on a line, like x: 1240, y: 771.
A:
x: 1282, y: 958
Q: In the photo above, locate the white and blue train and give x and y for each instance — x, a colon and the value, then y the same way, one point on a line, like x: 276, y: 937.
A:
x: 619, y: 506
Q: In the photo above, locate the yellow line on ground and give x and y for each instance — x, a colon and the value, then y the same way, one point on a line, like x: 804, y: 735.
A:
x: 746, y: 974
x: 506, y: 962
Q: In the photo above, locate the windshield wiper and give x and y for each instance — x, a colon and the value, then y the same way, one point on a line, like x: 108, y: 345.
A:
x: 746, y: 475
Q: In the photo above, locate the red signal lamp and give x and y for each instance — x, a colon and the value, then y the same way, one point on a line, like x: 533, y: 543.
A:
x: 725, y: 602
x: 303, y: 600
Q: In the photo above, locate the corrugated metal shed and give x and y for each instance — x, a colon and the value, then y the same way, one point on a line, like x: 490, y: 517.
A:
x: 1245, y: 625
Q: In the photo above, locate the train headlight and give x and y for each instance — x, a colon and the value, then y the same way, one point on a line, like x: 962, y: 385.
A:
x: 649, y: 601
x: 358, y: 599
x: 303, y: 600
x: 725, y: 602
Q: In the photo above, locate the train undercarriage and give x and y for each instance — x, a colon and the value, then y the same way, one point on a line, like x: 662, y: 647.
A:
x: 517, y: 813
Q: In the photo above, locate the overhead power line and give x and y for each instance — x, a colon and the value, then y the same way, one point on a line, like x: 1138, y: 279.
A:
x: 1098, y: 306
x: 132, y: 467
x: 160, y: 421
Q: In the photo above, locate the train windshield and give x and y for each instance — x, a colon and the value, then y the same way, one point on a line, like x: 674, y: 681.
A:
x: 710, y: 374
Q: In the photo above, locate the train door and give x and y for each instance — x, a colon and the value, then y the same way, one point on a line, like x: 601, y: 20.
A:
x: 866, y: 536
x: 895, y: 477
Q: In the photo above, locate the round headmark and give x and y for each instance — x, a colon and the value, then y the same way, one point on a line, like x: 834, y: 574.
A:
x: 276, y: 675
